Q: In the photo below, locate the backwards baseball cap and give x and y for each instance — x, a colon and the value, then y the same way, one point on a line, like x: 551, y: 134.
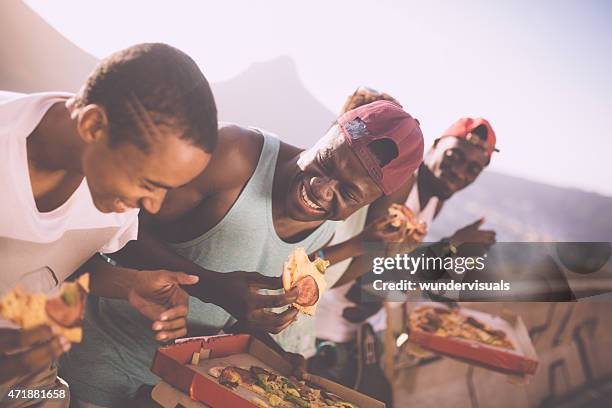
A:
x: 466, y: 128
x: 384, y: 120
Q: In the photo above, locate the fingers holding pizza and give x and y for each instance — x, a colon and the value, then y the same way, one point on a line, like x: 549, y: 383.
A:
x: 63, y: 313
x: 239, y: 293
x: 305, y: 276
x: 25, y: 351
x: 45, y: 327
x: 402, y: 218
x: 398, y: 227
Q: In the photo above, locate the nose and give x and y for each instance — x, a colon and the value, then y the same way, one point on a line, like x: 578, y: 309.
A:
x: 152, y: 204
x: 323, y: 187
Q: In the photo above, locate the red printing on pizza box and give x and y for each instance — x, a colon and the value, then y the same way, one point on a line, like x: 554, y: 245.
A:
x: 173, y: 364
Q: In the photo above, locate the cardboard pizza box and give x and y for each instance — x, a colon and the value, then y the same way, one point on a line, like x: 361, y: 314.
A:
x: 520, y: 361
x: 176, y: 366
x: 169, y: 397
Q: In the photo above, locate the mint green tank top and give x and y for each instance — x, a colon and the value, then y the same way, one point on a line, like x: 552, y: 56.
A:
x: 118, y: 346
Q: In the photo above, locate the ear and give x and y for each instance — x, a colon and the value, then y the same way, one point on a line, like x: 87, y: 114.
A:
x: 92, y: 123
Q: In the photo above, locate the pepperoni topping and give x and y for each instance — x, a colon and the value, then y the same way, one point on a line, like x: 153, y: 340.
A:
x: 309, y: 291
x: 64, y: 314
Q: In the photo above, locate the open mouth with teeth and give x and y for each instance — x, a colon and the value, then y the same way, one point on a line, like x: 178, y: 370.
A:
x: 308, y: 201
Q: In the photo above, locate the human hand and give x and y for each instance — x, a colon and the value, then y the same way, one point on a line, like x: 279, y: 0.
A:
x: 27, y: 351
x: 237, y: 293
x: 158, y: 296
x: 472, y: 234
x: 395, y: 232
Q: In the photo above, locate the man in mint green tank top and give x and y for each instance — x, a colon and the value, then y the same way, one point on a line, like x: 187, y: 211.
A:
x: 234, y: 226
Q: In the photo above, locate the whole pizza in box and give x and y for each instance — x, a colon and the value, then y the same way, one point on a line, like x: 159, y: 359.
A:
x: 473, y: 336
x: 275, y: 390
x: 239, y: 371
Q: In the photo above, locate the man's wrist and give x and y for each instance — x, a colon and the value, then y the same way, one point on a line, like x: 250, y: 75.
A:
x: 356, y: 246
x: 111, y: 281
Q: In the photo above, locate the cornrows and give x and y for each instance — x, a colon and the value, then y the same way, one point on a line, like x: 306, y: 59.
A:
x: 148, y: 89
x: 142, y: 117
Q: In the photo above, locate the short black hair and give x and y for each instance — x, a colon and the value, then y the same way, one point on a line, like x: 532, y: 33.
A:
x: 150, y: 88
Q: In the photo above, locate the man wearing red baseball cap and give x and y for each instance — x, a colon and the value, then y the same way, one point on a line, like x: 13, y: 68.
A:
x: 258, y: 199
x: 384, y: 121
x: 453, y: 162
x: 477, y: 131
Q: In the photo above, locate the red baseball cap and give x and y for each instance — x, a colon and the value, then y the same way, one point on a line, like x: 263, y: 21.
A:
x: 384, y: 120
x: 464, y: 127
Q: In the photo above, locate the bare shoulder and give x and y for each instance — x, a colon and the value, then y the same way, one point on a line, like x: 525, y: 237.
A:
x: 231, y: 166
x: 233, y: 161
x: 288, y: 152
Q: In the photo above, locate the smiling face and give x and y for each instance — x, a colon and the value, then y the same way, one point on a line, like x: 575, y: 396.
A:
x: 455, y: 163
x: 125, y: 176
x: 331, y: 182
x: 147, y: 117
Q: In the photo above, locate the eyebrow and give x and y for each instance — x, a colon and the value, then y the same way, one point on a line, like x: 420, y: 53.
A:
x: 162, y: 185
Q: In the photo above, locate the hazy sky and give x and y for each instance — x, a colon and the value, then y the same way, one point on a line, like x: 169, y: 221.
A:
x: 541, y: 72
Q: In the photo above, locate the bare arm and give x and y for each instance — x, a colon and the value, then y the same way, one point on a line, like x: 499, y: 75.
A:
x: 236, y: 292
x: 107, y: 280
x: 362, y: 264
x: 156, y: 294
x: 341, y: 251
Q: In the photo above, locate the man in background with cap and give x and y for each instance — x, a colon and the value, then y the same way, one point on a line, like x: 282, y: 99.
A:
x: 453, y: 162
x: 257, y: 201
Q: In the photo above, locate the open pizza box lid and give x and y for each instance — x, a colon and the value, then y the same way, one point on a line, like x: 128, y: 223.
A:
x: 173, y: 364
x: 516, y: 363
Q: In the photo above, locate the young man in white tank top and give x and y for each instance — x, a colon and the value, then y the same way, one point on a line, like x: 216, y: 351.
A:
x: 74, y: 169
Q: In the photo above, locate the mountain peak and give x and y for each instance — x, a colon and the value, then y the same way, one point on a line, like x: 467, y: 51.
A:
x: 282, y: 62
x: 270, y: 94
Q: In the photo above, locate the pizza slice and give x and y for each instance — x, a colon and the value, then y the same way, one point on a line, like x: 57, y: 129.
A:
x: 414, y: 226
x: 64, y: 312
x: 308, y: 277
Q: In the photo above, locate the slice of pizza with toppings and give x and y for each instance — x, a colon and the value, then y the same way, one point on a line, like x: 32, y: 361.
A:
x: 399, y: 213
x: 63, y: 312
x: 308, y: 277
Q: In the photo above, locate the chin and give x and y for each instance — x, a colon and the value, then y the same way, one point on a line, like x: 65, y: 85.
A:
x: 103, y: 205
x: 295, y: 213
